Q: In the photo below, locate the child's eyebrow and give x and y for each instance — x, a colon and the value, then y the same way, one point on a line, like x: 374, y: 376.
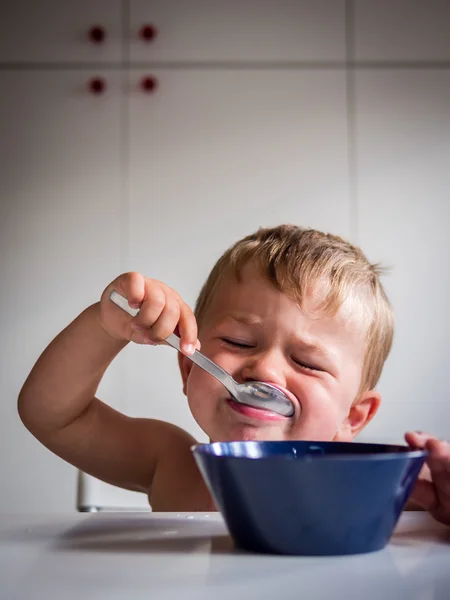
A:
x: 243, y: 318
x: 330, y: 358
x: 314, y: 347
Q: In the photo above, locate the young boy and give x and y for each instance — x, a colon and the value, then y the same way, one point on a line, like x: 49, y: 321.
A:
x: 293, y: 307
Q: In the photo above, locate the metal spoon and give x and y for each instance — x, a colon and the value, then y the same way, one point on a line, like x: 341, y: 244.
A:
x: 253, y: 393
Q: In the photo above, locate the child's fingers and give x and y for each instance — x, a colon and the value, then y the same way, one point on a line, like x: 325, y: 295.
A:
x: 439, y: 463
x: 132, y: 286
x: 161, y: 312
x: 188, y: 331
x: 438, y: 459
x: 433, y: 495
x: 417, y: 439
x: 424, y: 494
x: 439, y: 449
x: 152, y: 307
x: 167, y: 321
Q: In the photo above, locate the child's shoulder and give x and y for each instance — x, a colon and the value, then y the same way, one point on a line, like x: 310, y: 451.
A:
x: 160, y: 441
x: 177, y: 484
x: 170, y: 436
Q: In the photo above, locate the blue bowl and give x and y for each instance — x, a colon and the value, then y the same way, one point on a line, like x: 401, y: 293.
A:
x: 310, y: 498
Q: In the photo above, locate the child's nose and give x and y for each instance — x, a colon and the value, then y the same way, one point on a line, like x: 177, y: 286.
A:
x: 265, y: 366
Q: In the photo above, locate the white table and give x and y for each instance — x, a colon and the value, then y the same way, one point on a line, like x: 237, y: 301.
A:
x: 185, y: 556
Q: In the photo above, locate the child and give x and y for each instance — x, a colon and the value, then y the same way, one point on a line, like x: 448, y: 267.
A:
x: 290, y: 306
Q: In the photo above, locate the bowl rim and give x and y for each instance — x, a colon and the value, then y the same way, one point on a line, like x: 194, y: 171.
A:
x: 398, y: 451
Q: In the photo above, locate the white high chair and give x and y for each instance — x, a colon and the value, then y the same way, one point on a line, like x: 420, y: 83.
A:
x: 94, y: 495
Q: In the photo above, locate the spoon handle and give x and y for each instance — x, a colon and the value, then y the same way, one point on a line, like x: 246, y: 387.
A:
x: 173, y: 340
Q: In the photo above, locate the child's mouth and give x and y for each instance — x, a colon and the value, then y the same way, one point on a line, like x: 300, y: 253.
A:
x: 254, y: 413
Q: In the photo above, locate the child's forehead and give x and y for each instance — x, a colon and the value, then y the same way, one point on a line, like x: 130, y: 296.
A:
x: 251, y: 284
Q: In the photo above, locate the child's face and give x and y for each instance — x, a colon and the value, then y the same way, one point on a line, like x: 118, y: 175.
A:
x: 255, y: 332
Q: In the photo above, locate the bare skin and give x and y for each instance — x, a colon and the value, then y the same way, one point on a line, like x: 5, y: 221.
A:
x: 250, y: 329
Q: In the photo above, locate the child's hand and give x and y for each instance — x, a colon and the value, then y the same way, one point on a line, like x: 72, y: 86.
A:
x: 161, y: 312
x: 432, y: 490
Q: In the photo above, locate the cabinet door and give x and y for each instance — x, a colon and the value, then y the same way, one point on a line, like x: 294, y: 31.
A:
x: 402, y: 30
x: 403, y: 141
x: 60, y: 244
x: 59, y: 32
x: 237, y: 30
x: 213, y: 156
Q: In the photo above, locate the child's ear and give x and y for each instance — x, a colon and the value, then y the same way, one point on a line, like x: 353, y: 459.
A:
x: 361, y: 413
x: 185, y: 365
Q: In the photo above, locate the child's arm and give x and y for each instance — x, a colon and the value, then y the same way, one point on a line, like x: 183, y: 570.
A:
x: 57, y: 402
x: 432, y: 490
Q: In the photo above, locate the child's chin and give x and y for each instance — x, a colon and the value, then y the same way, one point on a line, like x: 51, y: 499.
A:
x: 248, y: 433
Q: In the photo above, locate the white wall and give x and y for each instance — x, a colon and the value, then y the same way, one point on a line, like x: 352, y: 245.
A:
x: 328, y: 113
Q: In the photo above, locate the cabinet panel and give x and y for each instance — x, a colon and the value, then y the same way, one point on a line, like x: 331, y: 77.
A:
x: 402, y: 30
x: 57, y: 32
x: 245, y: 30
x: 213, y: 156
x: 403, y: 181
x: 60, y: 244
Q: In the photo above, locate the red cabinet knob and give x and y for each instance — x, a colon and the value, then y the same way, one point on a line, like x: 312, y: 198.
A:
x: 148, y: 33
x: 149, y: 83
x: 97, y: 85
x: 97, y: 34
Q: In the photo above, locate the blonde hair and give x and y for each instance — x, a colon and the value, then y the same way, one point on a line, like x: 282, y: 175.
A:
x: 295, y: 260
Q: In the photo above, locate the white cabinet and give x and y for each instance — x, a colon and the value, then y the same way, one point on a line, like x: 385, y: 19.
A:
x: 403, y: 141
x: 213, y: 156
x: 402, y: 30
x: 237, y: 30
x: 61, y: 194
x: 59, y: 32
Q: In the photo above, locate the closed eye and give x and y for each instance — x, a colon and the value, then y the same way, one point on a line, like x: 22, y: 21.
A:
x: 306, y: 366
x: 236, y: 344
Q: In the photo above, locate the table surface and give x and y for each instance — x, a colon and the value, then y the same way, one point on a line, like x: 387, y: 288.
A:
x: 165, y: 556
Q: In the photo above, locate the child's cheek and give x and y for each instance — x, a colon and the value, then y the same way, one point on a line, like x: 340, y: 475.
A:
x: 318, y: 421
x: 202, y: 394
x: 230, y: 362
